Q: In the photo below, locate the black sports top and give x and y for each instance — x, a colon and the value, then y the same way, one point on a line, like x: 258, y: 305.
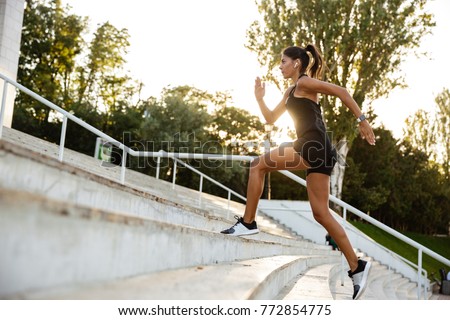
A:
x: 313, y: 143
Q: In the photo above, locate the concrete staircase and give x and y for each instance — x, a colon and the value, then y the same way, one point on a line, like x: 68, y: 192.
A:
x: 71, y: 230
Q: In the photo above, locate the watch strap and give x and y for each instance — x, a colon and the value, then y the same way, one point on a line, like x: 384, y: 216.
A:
x: 361, y: 118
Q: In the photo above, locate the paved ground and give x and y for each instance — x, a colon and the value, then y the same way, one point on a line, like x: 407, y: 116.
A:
x: 438, y: 296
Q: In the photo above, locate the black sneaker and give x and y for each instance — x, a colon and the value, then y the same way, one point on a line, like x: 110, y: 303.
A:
x: 241, y: 228
x: 359, y: 278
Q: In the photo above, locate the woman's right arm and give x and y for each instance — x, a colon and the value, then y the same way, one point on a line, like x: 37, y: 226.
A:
x: 270, y: 115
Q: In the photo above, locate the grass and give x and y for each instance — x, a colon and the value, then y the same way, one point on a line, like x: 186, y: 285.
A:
x: 440, y: 245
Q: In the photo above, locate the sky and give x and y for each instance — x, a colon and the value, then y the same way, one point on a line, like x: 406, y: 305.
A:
x: 201, y: 43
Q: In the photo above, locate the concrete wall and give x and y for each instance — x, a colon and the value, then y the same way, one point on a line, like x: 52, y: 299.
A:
x: 11, y: 19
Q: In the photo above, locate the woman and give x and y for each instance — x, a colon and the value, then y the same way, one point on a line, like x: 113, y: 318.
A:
x: 312, y: 151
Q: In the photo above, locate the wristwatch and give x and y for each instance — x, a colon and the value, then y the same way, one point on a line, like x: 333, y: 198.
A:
x: 361, y: 118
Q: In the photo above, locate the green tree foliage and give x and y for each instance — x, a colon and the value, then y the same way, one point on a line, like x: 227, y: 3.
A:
x: 408, y: 194
x: 443, y: 130
x: 420, y: 132
x: 89, y: 80
x: 241, y: 131
x: 86, y: 80
x: 99, y: 80
x: 188, y: 120
x: 430, y: 132
x: 363, y: 43
x: 51, y: 40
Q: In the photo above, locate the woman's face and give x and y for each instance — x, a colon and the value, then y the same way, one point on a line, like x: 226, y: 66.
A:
x: 288, y: 66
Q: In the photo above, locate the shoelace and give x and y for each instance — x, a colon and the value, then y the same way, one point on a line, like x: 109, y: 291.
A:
x: 238, y: 220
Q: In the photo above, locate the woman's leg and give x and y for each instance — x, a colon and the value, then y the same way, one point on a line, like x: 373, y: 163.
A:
x: 282, y: 158
x: 318, y: 186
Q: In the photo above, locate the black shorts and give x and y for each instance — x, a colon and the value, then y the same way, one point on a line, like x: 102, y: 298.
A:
x: 317, y: 152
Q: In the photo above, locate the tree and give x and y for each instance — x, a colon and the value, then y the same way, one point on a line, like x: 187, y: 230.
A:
x: 51, y: 40
x: 430, y: 131
x: 409, y: 194
x: 189, y: 120
x: 102, y: 79
x: 52, y: 64
x: 363, y: 43
x: 420, y: 132
x: 367, y: 188
x: 239, y: 130
x: 443, y: 130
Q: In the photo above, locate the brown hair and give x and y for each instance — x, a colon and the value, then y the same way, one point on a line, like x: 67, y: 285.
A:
x: 310, y: 59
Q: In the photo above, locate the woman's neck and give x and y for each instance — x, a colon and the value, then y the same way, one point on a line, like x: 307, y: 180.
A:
x: 295, y: 77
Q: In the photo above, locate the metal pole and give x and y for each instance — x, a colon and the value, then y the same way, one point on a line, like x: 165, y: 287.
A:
x: 158, y: 164
x: 62, y: 140
x: 124, y: 165
x: 344, y: 216
x: 200, y: 190
x: 229, y: 200
x: 174, y: 173
x: 419, y: 273
x: 3, y: 109
x: 268, y: 127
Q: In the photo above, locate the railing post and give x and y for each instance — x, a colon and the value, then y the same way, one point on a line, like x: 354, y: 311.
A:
x: 425, y: 286
x: 3, y: 108
x: 344, y: 216
x: 228, y: 206
x: 62, y: 139
x: 200, y: 189
x: 419, y: 273
x: 158, y: 164
x: 124, y: 165
x: 174, y: 172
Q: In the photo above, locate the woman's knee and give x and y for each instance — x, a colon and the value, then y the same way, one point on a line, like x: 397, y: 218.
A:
x: 318, y: 217
x: 258, y: 166
x: 321, y: 215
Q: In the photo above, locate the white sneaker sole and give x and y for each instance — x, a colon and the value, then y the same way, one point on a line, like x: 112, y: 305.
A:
x: 363, y: 283
x: 245, y: 233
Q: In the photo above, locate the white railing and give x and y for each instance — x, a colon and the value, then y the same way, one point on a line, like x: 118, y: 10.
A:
x: 177, y: 156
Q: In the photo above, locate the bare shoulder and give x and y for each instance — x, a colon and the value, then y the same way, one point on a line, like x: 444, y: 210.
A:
x: 316, y: 85
x: 308, y: 81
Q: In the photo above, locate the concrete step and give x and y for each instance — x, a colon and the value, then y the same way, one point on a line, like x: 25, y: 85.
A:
x: 49, y: 243
x: 412, y: 293
x: 391, y: 287
x: 382, y: 284
x: 313, y: 284
x: 342, y: 285
x: 159, y: 188
x: 50, y: 178
x: 248, y: 279
x: 27, y: 145
x: 403, y: 290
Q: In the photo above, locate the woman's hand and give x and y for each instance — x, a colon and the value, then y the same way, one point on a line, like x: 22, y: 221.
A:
x: 260, y: 88
x: 366, y: 132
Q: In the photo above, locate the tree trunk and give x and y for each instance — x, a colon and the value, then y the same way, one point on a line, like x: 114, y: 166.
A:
x: 337, y: 175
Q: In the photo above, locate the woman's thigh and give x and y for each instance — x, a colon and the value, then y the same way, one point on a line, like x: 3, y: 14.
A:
x: 281, y: 158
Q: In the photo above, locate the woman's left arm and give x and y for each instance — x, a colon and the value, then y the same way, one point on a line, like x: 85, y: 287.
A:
x: 311, y: 84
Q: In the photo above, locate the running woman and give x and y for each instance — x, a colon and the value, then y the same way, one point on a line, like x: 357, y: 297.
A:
x: 312, y: 151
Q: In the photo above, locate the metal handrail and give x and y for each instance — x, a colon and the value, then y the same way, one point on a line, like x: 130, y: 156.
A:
x: 421, y: 249
x: 177, y: 156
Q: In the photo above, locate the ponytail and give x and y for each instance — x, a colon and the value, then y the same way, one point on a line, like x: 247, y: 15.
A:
x: 315, y: 63
x: 310, y: 58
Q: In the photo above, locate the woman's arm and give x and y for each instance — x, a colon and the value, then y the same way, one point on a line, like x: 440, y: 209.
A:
x: 270, y: 115
x: 314, y: 85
